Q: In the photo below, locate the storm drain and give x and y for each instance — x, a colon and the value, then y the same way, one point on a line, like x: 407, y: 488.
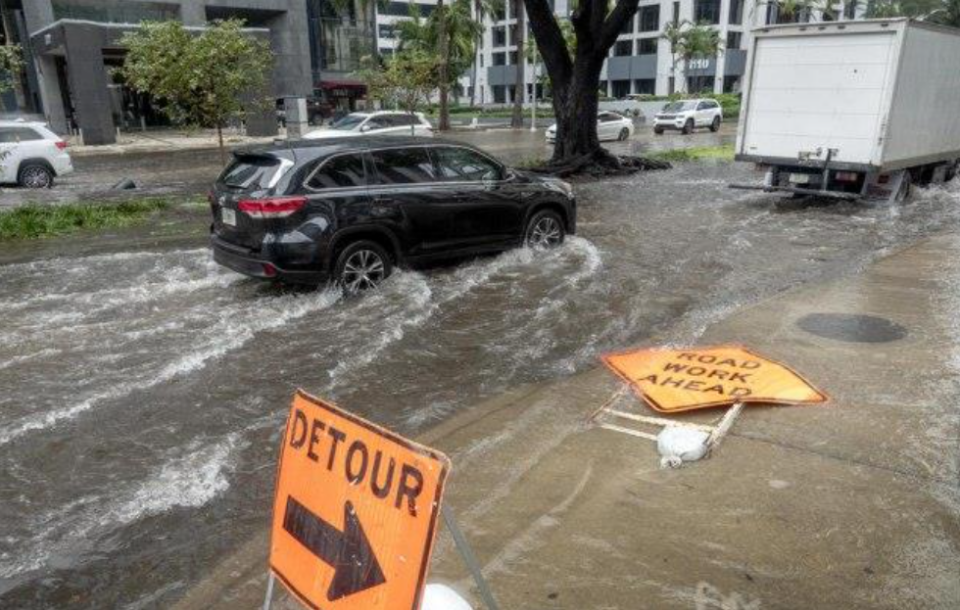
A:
x: 852, y: 328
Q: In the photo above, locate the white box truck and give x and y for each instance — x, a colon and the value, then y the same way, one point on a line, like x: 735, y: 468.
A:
x: 851, y: 109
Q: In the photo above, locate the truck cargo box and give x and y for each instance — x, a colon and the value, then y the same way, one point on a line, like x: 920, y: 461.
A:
x: 872, y: 96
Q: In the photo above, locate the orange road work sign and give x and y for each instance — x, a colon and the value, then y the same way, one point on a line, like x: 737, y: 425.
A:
x: 355, y: 511
x: 674, y: 380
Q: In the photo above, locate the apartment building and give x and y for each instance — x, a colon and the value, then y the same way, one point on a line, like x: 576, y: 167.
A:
x: 641, y: 60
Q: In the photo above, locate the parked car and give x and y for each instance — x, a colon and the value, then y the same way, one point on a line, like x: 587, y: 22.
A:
x: 351, y: 209
x: 610, y: 126
x: 317, y: 111
x: 375, y: 123
x: 31, y: 155
x: 687, y: 115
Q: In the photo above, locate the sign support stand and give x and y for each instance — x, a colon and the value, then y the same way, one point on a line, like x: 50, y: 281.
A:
x: 468, y: 558
x: 717, y: 432
x: 268, y: 600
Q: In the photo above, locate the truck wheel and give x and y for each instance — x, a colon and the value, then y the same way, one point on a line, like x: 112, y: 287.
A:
x: 715, y: 125
x: 688, y: 127
x: 658, y: 131
x: 906, y: 185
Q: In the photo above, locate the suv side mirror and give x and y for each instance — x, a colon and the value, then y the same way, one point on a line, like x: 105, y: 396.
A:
x: 492, y: 177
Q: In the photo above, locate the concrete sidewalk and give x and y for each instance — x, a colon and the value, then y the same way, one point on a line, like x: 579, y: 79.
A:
x: 855, y: 504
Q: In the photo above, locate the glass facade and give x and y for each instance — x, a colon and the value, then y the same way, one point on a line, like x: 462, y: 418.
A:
x: 115, y: 11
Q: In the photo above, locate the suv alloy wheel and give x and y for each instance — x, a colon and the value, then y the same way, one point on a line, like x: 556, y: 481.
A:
x: 36, y: 176
x: 545, y: 230
x: 363, y: 265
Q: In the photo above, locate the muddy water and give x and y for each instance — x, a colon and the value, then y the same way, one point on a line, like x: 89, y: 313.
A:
x: 142, y: 391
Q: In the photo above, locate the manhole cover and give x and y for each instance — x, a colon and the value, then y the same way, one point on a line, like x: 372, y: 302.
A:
x: 852, y: 328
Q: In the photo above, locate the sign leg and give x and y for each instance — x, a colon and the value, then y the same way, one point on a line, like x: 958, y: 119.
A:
x: 268, y: 600
x: 724, y: 426
x: 468, y: 558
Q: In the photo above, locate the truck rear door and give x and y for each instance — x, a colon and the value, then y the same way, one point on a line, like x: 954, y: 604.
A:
x: 817, y: 91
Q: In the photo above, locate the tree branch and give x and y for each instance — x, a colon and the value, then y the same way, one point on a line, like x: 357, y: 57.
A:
x: 550, y: 42
x: 621, y: 13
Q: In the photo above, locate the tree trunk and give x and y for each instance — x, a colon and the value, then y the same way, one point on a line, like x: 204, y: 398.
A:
x: 519, y: 89
x: 572, y: 104
x: 443, y: 122
x: 223, y: 153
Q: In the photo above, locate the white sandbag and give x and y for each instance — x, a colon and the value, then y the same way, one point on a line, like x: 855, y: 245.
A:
x: 442, y: 597
x: 677, y: 444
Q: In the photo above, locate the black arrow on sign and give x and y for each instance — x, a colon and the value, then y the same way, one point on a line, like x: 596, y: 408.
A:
x: 349, y: 553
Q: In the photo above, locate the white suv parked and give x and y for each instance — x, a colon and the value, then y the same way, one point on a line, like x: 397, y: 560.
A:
x: 382, y: 123
x: 31, y: 155
x: 686, y: 115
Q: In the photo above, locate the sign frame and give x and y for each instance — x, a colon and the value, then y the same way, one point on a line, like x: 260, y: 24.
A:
x: 434, y: 503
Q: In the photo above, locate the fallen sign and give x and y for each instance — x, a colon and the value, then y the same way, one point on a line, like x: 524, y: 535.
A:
x: 355, y: 511
x: 675, y: 380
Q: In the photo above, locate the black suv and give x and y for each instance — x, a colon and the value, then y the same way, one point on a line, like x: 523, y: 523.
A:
x: 350, y: 209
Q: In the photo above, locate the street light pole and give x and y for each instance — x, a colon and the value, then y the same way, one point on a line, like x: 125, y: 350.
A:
x: 533, y: 109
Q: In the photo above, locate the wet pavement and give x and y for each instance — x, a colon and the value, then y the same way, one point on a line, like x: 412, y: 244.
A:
x: 145, y: 389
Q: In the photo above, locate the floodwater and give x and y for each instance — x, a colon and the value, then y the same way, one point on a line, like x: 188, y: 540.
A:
x: 144, y: 390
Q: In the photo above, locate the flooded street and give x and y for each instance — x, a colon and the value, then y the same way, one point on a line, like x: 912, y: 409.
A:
x: 144, y: 390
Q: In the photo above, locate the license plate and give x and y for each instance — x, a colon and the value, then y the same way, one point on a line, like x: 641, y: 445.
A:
x: 800, y: 178
x: 228, y: 216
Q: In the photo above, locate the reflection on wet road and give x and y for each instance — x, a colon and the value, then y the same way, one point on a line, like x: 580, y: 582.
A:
x: 144, y: 391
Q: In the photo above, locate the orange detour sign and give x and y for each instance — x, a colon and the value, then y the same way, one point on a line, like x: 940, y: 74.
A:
x: 673, y: 380
x: 355, y: 511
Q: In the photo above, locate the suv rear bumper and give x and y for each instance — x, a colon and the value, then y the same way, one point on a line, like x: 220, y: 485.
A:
x: 253, y: 264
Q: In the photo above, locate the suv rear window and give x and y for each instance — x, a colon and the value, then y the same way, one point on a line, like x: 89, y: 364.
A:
x: 250, y: 172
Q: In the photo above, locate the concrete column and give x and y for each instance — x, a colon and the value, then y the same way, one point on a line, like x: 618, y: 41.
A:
x: 88, y: 83
x: 193, y: 13
x: 50, y: 95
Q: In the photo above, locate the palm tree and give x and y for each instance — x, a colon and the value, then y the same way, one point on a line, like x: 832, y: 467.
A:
x: 674, y: 35
x: 451, y: 28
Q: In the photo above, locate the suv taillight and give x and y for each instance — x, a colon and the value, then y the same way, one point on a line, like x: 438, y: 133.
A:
x: 273, y: 207
x: 61, y: 145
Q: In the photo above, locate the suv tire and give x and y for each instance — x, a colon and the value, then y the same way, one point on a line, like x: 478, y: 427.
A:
x: 362, y: 265
x: 544, y: 231
x: 688, y: 127
x: 35, y: 176
x: 715, y: 125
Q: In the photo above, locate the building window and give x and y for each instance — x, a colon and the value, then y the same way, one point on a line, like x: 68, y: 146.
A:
x: 645, y: 85
x: 733, y: 40
x: 402, y: 9
x: 676, y: 14
x: 706, y: 11
x: 115, y: 11
x: 622, y: 48
x: 650, y: 18
x: 500, y: 59
x: 499, y: 36
x: 627, y: 27
x: 621, y: 88
x: 736, y: 12
x: 647, y: 46
x: 499, y: 94
x: 514, y: 59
